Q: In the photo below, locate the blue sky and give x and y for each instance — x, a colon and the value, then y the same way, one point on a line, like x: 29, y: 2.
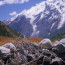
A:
x: 9, y: 8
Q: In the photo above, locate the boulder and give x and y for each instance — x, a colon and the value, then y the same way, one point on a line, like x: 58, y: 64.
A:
x: 46, y: 44
x: 60, y: 46
x: 4, y: 54
x: 56, y: 59
x: 30, y: 57
x: 4, y: 50
x: 10, y: 46
x: 62, y: 41
x: 1, y: 62
x: 59, y: 49
x: 55, y: 50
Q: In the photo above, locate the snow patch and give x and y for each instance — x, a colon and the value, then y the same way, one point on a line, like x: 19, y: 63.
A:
x: 46, y: 12
x: 34, y: 27
x: 52, y: 25
x: 42, y: 15
x: 60, y: 6
x: 61, y: 22
x: 35, y: 33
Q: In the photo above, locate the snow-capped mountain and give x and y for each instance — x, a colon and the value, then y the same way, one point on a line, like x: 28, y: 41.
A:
x: 45, y: 19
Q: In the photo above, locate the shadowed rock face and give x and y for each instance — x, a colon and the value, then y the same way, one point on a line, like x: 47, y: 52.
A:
x: 22, y: 25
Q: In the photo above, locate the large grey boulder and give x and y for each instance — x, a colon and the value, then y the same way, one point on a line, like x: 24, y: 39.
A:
x: 59, y: 49
x: 4, y: 50
x: 10, y: 46
x: 46, y: 44
x: 30, y: 57
x: 60, y: 46
x: 62, y: 41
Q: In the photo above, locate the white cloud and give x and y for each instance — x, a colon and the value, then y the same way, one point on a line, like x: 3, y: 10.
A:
x: 1, y: 3
x: 22, y: 1
x: 13, y: 13
x: 12, y: 1
x: 49, y: 0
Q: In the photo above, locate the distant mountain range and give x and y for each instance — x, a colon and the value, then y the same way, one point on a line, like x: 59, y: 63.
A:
x: 46, y: 19
x: 5, y: 30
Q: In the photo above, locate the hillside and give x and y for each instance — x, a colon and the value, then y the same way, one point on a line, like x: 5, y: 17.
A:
x: 58, y: 37
x: 7, y: 31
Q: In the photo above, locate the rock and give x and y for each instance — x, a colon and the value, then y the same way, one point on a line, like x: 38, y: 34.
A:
x: 30, y: 57
x: 56, y: 43
x: 46, y: 44
x: 39, y: 61
x: 4, y: 50
x: 62, y: 56
x: 55, y: 50
x: 61, y: 45
x: 10, y: 46
x: 60, y: 49
x: 14, y: 62
x: 51, y: 58
x: 55, y: 63
x: 56, y: 59
x: 62, y: 41
x: 4, y: 54
x: 1, y: 62
x: 22, y: 58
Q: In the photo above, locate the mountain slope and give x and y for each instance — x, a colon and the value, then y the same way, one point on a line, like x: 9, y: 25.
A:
x: 42, y: 20
x: 7, y: 31
x: 58, y: 37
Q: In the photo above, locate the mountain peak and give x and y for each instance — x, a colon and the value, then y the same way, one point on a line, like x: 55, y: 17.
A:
x: 43, y: 19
